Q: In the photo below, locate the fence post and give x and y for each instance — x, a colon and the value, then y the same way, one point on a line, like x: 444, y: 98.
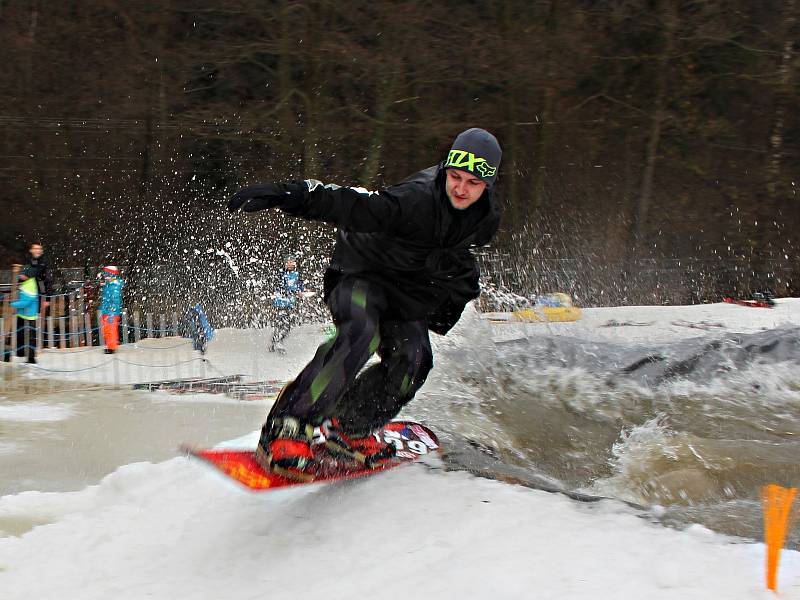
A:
x: 116, y: 371
x: 10, y: 372
x: 51, y: 342
x: 89, y: 327
x: 39, y: 333
x: 86, y: 339
x: 7, y: 305
x: 175, y: 324
x: 87, y: 322
x: 26, y: 338
x: 149, y: 324
x: 162, y: 325
x: 13, y: 330
x: 100, y: 335
x: 62, y: 340
x: 125, y: 327
x: 73, y: 323
x: 7, y: 312
x: 137, y: 329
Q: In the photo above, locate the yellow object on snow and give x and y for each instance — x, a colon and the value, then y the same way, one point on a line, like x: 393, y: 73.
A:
x: 550, y: 307
x: 548, y: 313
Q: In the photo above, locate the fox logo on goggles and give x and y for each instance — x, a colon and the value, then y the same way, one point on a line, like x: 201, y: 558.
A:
x: 461, y: 159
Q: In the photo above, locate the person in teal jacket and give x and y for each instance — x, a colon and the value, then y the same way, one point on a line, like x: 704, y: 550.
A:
x: 27, y: 305
x: 111, y: 307
x: 285, y: 300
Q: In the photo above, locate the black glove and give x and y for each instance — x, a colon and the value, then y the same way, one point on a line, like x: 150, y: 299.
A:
x: 263, y: 196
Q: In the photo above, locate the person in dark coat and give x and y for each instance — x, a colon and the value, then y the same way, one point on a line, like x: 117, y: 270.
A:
x: 402, y: 265
x: 43, y: 273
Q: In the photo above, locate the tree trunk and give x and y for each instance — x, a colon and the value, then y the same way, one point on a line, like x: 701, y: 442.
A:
x: 651, y: 155
x: 144, y: 170
x: 507, y: 13
x: 541, y: 149
x: 783, y: 98
x: 35, y: 141
x: 383, y: 102
x: 156, y: 118
x: 618, y: 225
x: 511, y: 158
x: 310, y: 92
x: 286, y: 117
x: 311, y: 147
x: 543, y: 131
x: 33, y: 24
x: 659, y: 116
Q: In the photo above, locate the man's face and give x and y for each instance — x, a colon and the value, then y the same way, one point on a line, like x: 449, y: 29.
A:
x: 291, y: 265
x: 463, y: 188
x: 36, y: 251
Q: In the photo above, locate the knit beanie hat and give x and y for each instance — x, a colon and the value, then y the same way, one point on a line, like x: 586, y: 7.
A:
x: 478, y: 152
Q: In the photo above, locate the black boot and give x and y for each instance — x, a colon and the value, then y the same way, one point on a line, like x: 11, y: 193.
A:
x: 368, y: 449
x: 285, y: 448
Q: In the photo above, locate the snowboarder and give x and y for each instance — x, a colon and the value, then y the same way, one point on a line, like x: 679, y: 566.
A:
x: 401, y: 266
x: 197, y: 327
x: 285, y: 302
x: 111, y: 307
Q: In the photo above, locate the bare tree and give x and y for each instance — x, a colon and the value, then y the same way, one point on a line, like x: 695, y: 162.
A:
x: 784, y: 97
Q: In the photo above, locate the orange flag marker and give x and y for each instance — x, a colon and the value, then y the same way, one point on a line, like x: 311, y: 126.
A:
x: 777, y: 502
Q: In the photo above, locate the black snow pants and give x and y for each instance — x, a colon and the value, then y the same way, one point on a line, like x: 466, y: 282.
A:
x: 26, y: 340
x: 282, y: 325
x: 329, y: 387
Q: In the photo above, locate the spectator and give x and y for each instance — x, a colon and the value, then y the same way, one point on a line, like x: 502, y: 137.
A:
x: 42, y: 271
x: 111, y: 307
x: 27, y: 305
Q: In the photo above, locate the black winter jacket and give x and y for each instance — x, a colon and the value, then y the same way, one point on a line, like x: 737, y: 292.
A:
x: 408, y: 238
x: 44, y: 275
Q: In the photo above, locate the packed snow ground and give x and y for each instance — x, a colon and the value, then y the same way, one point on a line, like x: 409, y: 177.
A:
x: 176, y: 529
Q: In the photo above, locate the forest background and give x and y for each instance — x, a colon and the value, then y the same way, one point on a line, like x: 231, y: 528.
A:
x: 651, y: 147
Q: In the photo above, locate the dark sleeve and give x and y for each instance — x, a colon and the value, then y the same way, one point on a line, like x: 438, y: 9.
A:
x: 355, y: 209
x: 46, y: 277
x: 489, y: 227
x: 492, y: 228
x: 445, y: 317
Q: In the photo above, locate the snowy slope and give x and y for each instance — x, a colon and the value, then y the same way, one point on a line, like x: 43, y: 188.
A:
x: 175, y: 529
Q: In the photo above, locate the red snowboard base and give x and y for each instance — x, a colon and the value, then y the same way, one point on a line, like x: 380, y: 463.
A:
x: 751, y: 303
x: 411, y: 440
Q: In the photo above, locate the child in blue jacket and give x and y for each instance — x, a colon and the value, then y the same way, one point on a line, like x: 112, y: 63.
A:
x: 111, y: 307
x: 285, y: 301
x: 27, y: 305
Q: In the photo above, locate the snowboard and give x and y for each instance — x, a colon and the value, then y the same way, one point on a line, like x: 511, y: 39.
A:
x: 411, y: 441
x: 751, y: 303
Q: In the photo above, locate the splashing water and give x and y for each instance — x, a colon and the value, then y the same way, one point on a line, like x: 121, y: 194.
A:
x: 710, y: 423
